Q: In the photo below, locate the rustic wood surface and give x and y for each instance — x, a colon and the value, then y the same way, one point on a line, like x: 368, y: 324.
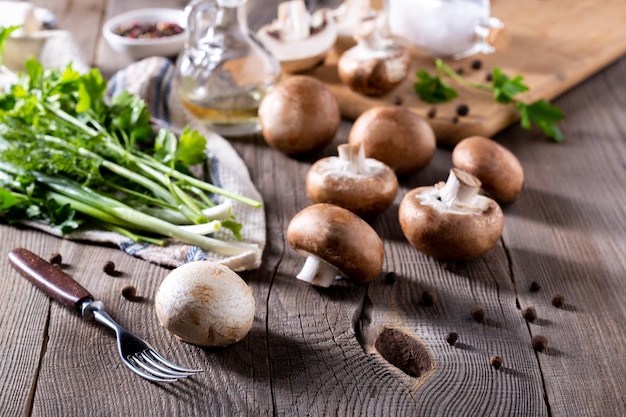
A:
x: 313, y: 352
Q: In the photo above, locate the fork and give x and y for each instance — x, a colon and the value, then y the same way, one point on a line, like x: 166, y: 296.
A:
x: 138, y: 355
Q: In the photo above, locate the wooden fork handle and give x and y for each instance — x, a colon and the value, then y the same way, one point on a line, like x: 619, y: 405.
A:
x: 48, y: 278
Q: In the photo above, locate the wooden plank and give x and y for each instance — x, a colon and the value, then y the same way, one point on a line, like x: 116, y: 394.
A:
x: 567, y: 232
x: 554, y: 46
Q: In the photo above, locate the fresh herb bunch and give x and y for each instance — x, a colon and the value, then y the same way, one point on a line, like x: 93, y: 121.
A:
x: 70, y: 156
x: 434, y: 90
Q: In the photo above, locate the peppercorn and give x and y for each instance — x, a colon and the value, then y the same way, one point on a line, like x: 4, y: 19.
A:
x: 55, y: 258
x: 489, y: 77
x: 539, y: 343
x: 455, y: 119
x: 529, y: 314
x: 451, y: 338
x: 109, y: 268
x: 534, y: 286
x: 129, y: 292
x: 460, y: 70
x: 432, y: 112
x: 476, y: 64
x: 496, y: 362
x: 429, y: 298
x: 390, y: 277
x: 477, y: 313
x: 462, y: 109
x: 398, y: 101
x: 557, y: 300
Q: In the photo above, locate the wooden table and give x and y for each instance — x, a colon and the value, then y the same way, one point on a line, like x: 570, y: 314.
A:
x: 310, y: 351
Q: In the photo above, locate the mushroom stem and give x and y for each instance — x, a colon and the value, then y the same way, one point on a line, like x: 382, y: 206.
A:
x: 317, y: 272
x: 461, y: 188
x: 354, y: 158
x: 293, y: 20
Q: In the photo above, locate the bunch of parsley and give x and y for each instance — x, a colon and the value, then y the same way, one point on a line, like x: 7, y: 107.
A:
x: 70, y: 156
x: 434, y: 90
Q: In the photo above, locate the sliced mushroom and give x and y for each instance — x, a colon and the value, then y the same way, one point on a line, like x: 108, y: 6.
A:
x: 396, y: 136
x: 451, y: 221
x: 377, y: 64
x: 497, y: 168
x: 362, y: 185
x: 299, y: 40
x: 337, y: 243
x: 347, y: 17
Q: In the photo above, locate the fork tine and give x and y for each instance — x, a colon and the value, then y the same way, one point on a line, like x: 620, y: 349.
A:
x: 149, y: 357
x: 133, y: 364
x: 171, y: 365
x: 139, y: 361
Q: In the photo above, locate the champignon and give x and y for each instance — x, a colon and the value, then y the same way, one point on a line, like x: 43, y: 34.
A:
x: 298, y: 39
x: 337, y: 243
x: 300, y: 115
x: 451, y: 221
x: 205, y: 303
x: 396, y: 136
x: 362, y: 185
x: 497, y: 168
x: 376, y: 64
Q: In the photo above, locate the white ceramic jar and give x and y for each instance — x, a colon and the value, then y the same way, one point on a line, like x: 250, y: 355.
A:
x: 444, y: 28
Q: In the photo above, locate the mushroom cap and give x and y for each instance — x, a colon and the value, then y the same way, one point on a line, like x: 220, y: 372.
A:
x: 396, y: 136
x: 340, y: 238
x: 373, y: 72
x: 449, y: 234
x: 498, y: 169
x: 364, y: 193
x: 300, y: 115
x: 205, y: 303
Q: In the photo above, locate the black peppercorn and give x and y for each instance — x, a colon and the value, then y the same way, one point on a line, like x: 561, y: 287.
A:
x: 477, y: 313
x: 390, y: 277
x: 539, y: 343
x: 429, y: 298
x: 109, y: 268
x: 558, y: 300
x: 534, y: 286
x: 489, y: 77
x: 476, y: 64
x: 55, y: 258
x: 432, y: 112
x: 462, y: 109
x: 129, y: 292
x: 529, y: 314
x: 451, y: 338
x: 496, y: 362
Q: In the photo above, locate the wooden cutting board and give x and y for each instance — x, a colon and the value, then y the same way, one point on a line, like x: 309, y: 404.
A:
x: 554, y: 44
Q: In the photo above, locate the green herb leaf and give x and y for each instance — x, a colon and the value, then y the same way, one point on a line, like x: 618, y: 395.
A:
x: 544, y: 115
x: 505, y: 88
x: 433, y: 89
x: 191, y: 147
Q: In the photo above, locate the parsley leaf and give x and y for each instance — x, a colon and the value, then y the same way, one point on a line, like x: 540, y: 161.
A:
x: 432, y: 89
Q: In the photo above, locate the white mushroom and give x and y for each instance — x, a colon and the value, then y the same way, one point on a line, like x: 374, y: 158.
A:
x: 365, y: 186
x: 298, y: 39
x: 205, y: 303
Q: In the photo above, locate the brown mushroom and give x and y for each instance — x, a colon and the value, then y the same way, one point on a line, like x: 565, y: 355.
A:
x: 299, y: 116
x: 337, y: 243
x: 497, y: 168
x: 396, y: 136
x: 365, y: 186
x: 376, y: 64
x: 451, y: 221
